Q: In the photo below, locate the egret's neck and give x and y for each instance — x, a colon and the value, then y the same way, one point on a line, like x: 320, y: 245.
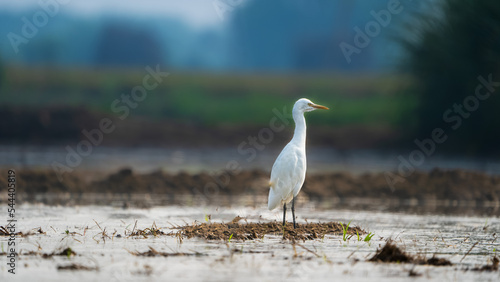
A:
x: 299, y: 135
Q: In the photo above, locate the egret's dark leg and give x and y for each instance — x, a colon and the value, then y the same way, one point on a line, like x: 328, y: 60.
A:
x: 284, y: 214
x: 293, y: 211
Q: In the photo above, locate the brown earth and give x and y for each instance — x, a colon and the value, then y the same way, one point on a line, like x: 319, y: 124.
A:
x: 392, y: 253
x: 437, y: 184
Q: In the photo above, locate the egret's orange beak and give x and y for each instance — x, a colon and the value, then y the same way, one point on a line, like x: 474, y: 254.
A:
x: 319, y: 107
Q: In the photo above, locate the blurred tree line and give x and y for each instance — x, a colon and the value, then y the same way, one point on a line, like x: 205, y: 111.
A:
x: 447, y: 52
x: 1, y: 72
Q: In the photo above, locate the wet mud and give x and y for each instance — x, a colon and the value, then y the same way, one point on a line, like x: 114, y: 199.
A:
x: 152, y: 252
x: 437, y: 184
x: 390, y: 252
x: 76, y: 266
x: 434, y: 247
x: 455, y: 189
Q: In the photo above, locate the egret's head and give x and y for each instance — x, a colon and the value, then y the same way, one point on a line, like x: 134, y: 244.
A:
x: 305, y: 105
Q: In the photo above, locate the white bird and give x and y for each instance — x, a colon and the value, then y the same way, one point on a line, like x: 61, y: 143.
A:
x: 289, y: 169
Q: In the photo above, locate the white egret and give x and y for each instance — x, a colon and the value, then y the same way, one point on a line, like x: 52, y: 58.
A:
x: 289, y: 169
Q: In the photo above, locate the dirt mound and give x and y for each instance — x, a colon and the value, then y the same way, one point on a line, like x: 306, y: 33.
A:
x: 454, y: 184
x: 43, y: 181
x: 251, y: 231
x: 152, y: 252
x: 392, y: 253
x: 245, y: 182
x: 436, y: 184
x: 422, y: 187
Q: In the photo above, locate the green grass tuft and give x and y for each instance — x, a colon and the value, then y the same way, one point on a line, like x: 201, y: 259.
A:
x: 344, y: 230
x: 369, y: 237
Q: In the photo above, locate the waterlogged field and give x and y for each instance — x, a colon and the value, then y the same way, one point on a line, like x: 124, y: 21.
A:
x: 94, y: 243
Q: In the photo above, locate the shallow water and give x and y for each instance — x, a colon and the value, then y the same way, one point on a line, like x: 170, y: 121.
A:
x: 146, y: 159
x: 269, y: 259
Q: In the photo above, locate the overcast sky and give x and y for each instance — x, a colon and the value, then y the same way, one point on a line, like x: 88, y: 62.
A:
x: 194, y: 12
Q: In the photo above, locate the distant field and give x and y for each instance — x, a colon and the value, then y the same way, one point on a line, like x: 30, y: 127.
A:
x: 225, y: 99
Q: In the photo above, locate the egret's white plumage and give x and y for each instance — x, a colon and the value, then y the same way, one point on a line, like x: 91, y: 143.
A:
x: 289, y: 169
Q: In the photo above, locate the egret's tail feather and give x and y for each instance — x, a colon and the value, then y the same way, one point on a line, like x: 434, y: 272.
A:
x: 274, y: 200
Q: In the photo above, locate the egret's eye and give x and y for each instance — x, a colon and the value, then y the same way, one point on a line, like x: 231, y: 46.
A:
x: 309, y: 104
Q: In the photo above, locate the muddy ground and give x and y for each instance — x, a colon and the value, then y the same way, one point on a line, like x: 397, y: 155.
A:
x: 436, y: 185
x: 184, y: 243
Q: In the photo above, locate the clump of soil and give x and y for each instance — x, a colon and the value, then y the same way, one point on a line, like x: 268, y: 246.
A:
x: 75, y: 266
x: 251, y: 231
x: 154, y: 253
x: 392, y: 253
x: 436, y: 261
x: 68, y: 252
x: 5, y: 232
x: 489, y: 267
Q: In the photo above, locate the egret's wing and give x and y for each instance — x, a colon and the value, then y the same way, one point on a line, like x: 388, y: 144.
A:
x: 287, y: 173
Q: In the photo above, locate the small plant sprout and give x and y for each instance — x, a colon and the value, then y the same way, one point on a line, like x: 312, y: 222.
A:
x: 369, y: 237
x: 344, y: 230
x: 357, y: 234
x: 69, y: 252
x: 230, y: 237
x: 208, y: 217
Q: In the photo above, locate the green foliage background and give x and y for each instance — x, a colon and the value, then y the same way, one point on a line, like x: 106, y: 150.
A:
x: 220, y: 99
x: 446, y: 54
